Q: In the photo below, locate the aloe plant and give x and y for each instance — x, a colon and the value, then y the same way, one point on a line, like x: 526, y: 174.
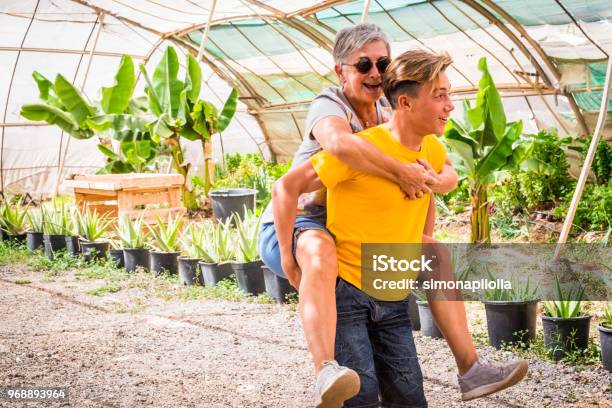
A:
x: 486, y: 145
x: 180, y: 112
x: 13, y: 218
x: 568, y: 303
x: 518, y: 292
x: 247, y: 234
x: 132, y: 233
x: 221, y: 245
x: 35, y: 220
x: 196, y: 242
x: 607, y: 322
x: 91, y: 225
x: 166, y: 234
x: 56, y: 218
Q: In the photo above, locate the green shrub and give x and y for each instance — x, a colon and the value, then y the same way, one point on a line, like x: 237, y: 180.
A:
x: 542, y: 177
x: 594, y: 210
x: 602, y: 162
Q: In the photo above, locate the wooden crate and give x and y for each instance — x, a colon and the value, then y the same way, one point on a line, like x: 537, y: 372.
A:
x: 126, y: 194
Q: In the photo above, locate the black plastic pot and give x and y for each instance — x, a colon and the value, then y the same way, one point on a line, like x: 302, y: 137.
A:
x: 116, y: 256
x: 188, y: 270
x: 3, y: 235
x: 429, y: 327
x: 94, y: 250
x: 232, y: 200
x: 73, y: 245
x: 34, y: 240
x: 413, y: 312
x: 250, y: 277
x: 213, y: 273
x: 276, y: 287
x: 562, y: 335
x: 511, y: 322
x: 164, y: 261
x: 53, y: 243
x: 17, y: 238
x: 605, y: 341
x: 136, y: 257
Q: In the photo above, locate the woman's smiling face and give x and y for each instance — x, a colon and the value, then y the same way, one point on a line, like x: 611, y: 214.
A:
x: 363, y: 88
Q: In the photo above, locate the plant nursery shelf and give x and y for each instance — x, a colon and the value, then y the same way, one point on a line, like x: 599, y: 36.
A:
x: 129, y: 194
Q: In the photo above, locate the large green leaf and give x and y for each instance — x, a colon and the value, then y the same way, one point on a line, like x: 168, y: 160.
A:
x: 166, y: 84
x: 154, y: 101
x: 122, y: 126
x: 498, y: 156
x: 204, y: 116
x: 73, y: 100
x: 44, y: 85
x: 492, y: 101
x: 193, y: 78
x: 54, y: 116
x: 115, y: 99
x: 463, y: 145
x: 228, y: 111
x: 106, y: 151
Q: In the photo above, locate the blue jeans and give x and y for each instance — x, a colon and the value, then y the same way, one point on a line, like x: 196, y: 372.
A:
x: 268, y: 242
x: 374, y: 338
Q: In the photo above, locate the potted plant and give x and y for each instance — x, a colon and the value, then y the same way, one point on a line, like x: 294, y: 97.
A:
x: 53, y: 228
x: 72, y: 232
x: 220, y: 249
x: 91, y: 227
x: 34, y: 236
x: 115, y: 253
x: 276, y: 287
x: 566, y: 326
x: 134, y: 241
x: 511, y: 313
x: 166, y: 244
x: 194, y: 247
x: 247, y: 266
x: 13, y: 221
x: 605, y: 338
x: 429, y: 327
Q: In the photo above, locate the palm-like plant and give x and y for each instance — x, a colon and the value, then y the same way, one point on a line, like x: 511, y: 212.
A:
x: 132, y: 233
x: 55, y: 218
x: 568, y: 303
x: 247, y: 235
x: 179, y: 111
x: 518, y: 292
x: 166, y: 234
x: 607, y: 322
x: 13, y: 218
x: 90, y: 225
x: 486, y: 145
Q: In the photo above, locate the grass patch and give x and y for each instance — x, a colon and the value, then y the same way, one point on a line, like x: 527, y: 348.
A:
x: 13, y: 254
x: 103, y: 290
x: 576, y: 358
x: 22, y: 281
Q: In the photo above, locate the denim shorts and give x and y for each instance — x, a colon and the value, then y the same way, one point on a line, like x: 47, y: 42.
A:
x: 268, y: 242
x: 374, y: 338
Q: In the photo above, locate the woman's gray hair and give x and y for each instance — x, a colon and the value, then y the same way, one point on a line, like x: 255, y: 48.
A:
x: 351, y: 39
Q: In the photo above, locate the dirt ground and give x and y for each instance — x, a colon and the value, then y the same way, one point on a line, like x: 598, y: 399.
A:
x: 111, y: 353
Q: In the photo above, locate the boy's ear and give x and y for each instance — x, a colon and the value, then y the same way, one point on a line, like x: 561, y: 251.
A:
x: 404, y: 102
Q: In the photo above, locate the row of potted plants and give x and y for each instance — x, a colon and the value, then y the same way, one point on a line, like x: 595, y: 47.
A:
x: 512, y: 313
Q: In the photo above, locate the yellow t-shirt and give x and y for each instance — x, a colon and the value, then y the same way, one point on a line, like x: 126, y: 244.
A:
x: 362, y: 208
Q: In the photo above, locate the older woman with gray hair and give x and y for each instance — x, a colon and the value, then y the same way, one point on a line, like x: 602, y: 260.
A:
x: 361, y: 55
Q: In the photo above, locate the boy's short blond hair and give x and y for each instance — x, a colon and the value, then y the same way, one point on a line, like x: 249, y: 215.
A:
x: 410, y: 70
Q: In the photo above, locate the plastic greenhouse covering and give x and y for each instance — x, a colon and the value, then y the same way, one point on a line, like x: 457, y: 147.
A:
x: 548, y: 59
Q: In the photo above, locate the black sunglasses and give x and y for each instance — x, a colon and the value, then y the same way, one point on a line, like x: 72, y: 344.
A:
x: 364, y: 65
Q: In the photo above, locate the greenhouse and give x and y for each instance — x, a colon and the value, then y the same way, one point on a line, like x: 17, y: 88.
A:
x: 184, y: 183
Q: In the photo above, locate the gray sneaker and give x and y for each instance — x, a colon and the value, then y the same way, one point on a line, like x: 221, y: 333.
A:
x: 485, y: 378
x: 335, y: 384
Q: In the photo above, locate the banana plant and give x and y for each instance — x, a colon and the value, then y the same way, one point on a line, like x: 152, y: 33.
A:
x: 487, y: 145
x: 180, y: 112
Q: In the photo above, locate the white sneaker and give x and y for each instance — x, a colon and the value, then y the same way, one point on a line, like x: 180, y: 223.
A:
x: 335, y: 384
x: 485, y: 378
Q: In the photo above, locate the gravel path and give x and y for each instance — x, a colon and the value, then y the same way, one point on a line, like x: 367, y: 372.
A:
x: 209, y: 353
